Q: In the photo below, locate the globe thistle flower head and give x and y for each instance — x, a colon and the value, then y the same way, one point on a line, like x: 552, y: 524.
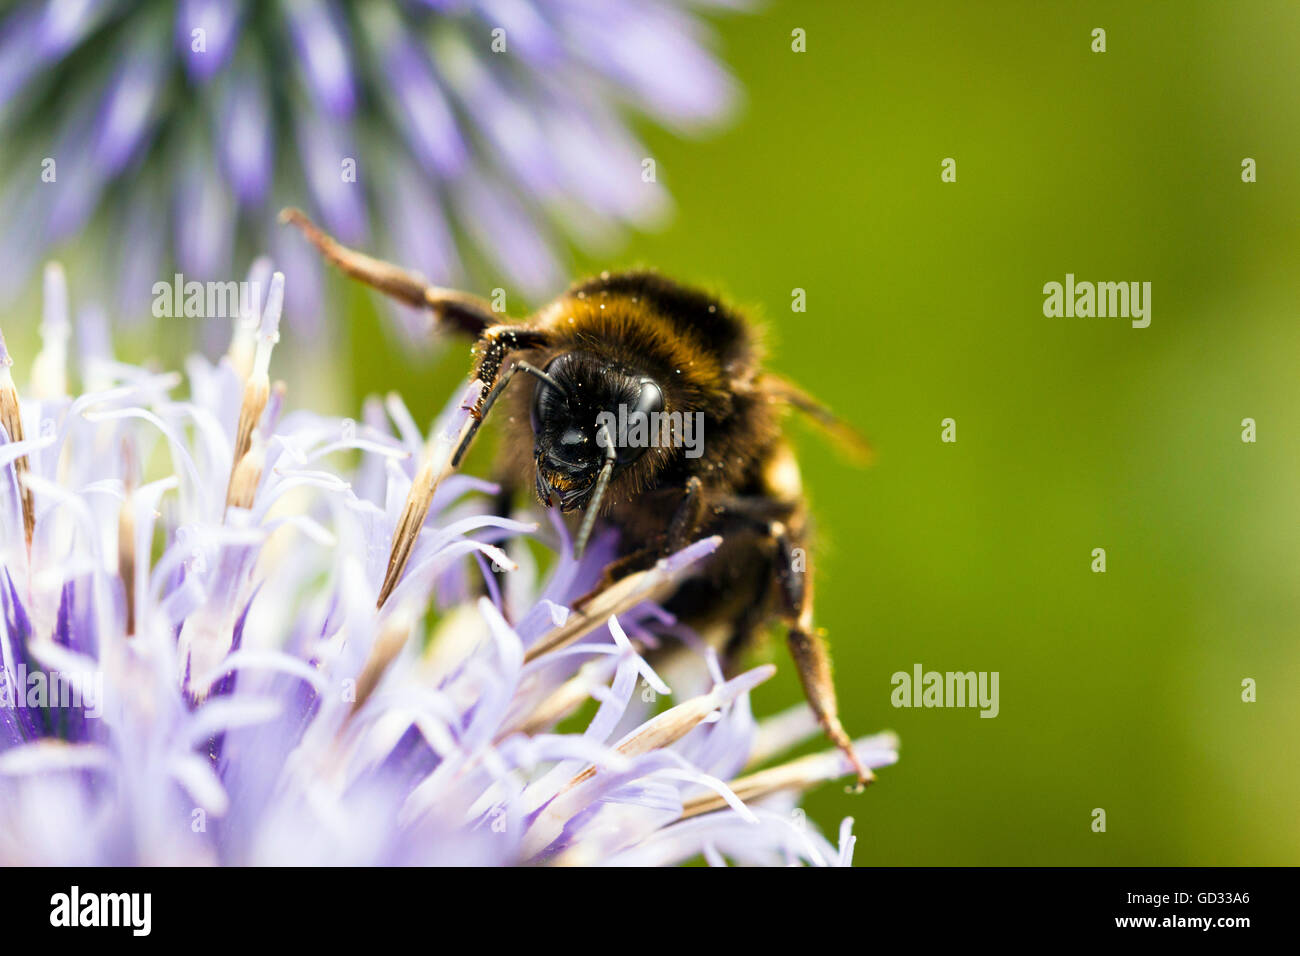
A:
x: 199, y: 663
x: 474, y: 141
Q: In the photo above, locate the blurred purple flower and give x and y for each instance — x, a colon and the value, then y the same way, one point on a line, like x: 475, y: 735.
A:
x: 472, y: 140
x: 193, y: 668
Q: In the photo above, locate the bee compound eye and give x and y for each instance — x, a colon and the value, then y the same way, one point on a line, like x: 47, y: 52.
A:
x: 543, y: 405
x: 547, y: 399
x: 642, y: 413
x: 556, y: 366
x: 650, y: 399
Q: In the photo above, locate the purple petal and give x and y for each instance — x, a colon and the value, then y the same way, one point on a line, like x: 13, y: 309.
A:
x: 79, y: 181
x: 219, y: 21
x: 31, y: 39
x: 527, y: 32
x: 22, y: 242
x: 331, y: 162
x: 426, y: 119
x: 505, y: 114
x: 13, y: 647
x: 419, y: 233
x: 245, y: 139
x: 304, y: 278
x: 143, y: 247
x: 126, y: 111
x: 598, y: 158
x: 65, y: 24
x: 653, y: 51
x: 321, y: 41
x: 204, y: 221
x: 507, y: 234
x: 18, y: 52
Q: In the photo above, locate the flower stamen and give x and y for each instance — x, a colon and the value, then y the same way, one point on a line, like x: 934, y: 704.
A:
x: 434, y: 467
x: 246, y: 476
x: 257, y: 389
x: 652, y: 584
x: 243, y: 337
x: 50, y: 368
x: 674, y: 724
x: 126, y: 555
x: 12, y: 422
x: 392, y: 638
x: 797, y: 775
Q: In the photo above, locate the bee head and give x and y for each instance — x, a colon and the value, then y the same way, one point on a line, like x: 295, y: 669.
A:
x: 574, y: 421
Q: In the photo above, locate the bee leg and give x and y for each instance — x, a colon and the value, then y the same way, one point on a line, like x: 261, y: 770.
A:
x: 685, y: 520
x: 617, y: 569
x: 744, y: 629
x: 503, y: 502
x: 495, y: 346
x: 488, y: 398
x: 808, y: 646
x: 457, y: 310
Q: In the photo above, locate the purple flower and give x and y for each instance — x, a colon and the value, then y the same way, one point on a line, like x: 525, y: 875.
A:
x: 196, y: 666
x: 473, y: 141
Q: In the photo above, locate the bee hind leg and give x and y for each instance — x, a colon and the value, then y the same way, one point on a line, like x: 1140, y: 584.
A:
x: 807, y: 645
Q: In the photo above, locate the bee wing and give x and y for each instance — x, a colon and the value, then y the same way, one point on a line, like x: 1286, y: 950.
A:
x: 847, y: 439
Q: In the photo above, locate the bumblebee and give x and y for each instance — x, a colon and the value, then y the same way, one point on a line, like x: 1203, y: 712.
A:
x: 639, y: 344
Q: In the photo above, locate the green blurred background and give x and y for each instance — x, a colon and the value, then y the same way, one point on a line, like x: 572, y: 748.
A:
x: 1119, y: 690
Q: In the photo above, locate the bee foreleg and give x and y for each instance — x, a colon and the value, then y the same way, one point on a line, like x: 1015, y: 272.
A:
x: 616, y: 570
x: 458, y: 310
x: 489, y: 398
x: 684, y: 523
x: 807, y: 645
x: 687, y: 516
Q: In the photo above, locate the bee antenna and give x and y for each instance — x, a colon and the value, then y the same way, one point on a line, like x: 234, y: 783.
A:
x: 602, y: 482
x: 543, y: 376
